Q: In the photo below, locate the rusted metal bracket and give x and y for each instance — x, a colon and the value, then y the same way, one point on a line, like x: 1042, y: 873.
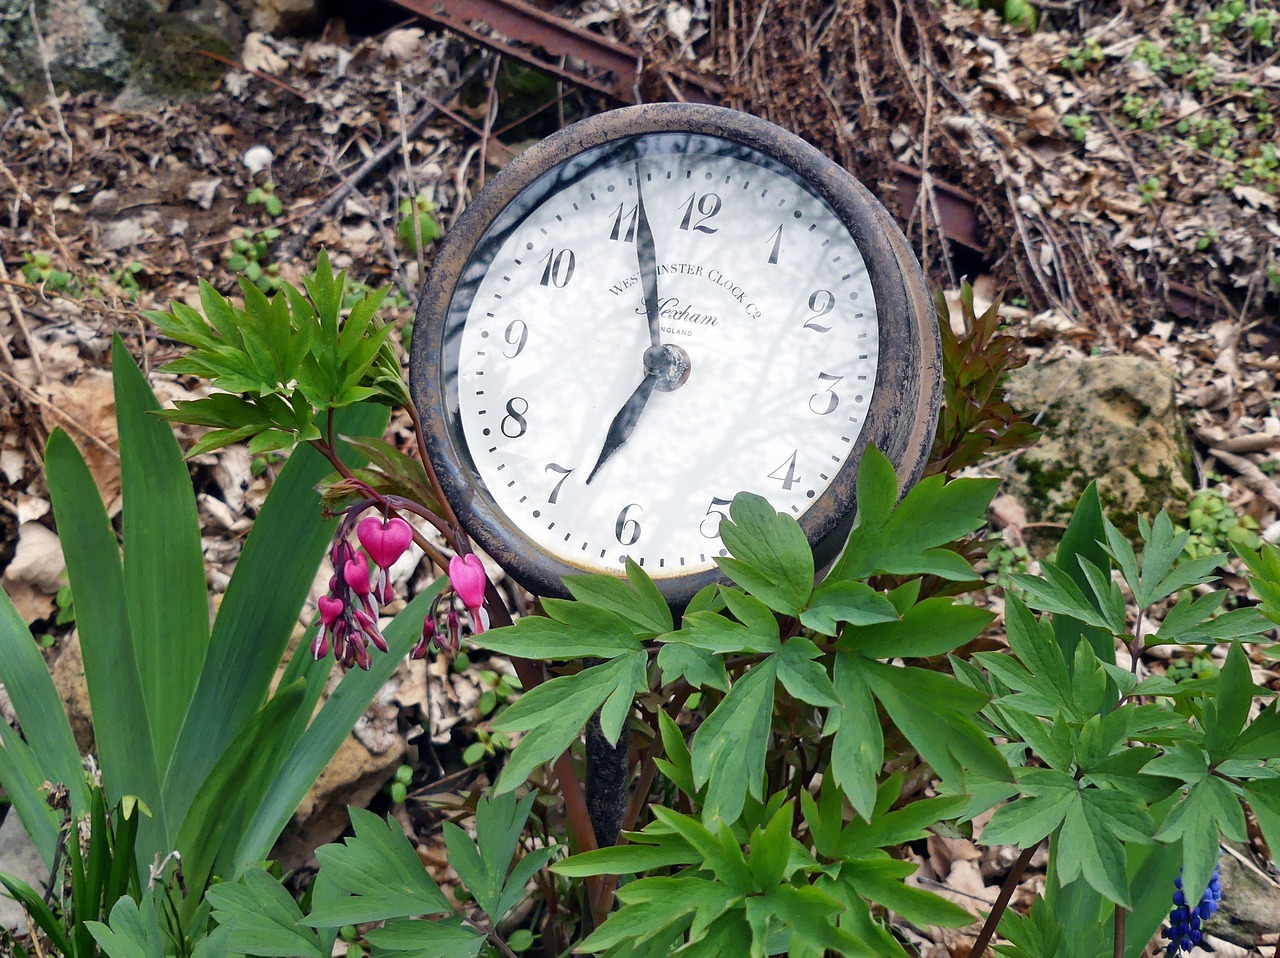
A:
x: 613, y: 69
x: 608, y: 67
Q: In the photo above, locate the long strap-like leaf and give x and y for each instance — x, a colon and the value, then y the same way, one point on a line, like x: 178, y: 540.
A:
x: 20, y: 777
x: 120, y: 722
x: 258, y: 613
x: 39, y: 709
x: 165, y: 587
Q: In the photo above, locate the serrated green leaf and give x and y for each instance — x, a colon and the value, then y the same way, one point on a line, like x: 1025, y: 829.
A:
x: 804, y: 678
x: 932, y: 627
x: 857, y: 751
x: 379, y: 875
x: 637, y: 599
x: 770, y: 556
x: 729, y: 747
x: 555, y: 712
x: 834, y: 602
x: 262, y: 918
x: 906, y: 540
x: 700, y: 668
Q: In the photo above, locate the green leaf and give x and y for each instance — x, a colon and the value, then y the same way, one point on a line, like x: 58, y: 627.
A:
x: 631, y: 859
x: 700, y: 668
x: 934, y: 712
x: 906, y: 540
x: 720, y: 853
x: 678, y: 765
x: 314, y: 748
x: 1231, y: 705
x: 771, y: 557
x: 637, y: 600
x: 804, y: 678
x: 227, y: 797
x: 932, y: 627
x: 257, y: 616
x: 1050, y: 795
x: 33, y: 904
x: 30, y: 687
x: 555, y: 712
x: 1091, y: 844
x: 134, y: 931
x: 574, y: 630
x: 1082, y: 539
x: 717, y: 633
x: 121, y: 727
x: 379, y: 875
x: 857, y: 751
x: 857, y: 603
x: 729, y: 747
x: 262, y: 918
x: 163, y: 562
x: 881, y: 880
x: 441, y: 938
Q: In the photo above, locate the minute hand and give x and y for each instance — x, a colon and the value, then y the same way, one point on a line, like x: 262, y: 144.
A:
x: 648, y: 257
x: 624, y: 423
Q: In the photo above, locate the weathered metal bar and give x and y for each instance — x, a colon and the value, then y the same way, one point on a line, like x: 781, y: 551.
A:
x: 618, y: 69
x: 526, y: 23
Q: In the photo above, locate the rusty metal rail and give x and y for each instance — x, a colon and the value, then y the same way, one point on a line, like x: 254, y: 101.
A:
x: 518, y: 29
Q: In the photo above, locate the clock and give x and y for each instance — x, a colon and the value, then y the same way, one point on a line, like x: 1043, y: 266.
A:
x: 649, y: 312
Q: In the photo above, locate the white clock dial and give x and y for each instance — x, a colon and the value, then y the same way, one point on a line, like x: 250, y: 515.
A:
x: 759, y: 283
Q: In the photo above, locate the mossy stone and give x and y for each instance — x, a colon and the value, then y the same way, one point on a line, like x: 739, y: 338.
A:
x: 1112, y: 418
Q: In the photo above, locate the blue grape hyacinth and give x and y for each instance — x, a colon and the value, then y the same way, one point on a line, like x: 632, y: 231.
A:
x: 1187, y: 921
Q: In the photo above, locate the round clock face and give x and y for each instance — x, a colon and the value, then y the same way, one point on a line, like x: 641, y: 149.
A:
x: 638, y: 329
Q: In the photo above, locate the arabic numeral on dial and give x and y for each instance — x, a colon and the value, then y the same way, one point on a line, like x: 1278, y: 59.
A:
x: 788, y: 478
x: 776, y: 239
x: 517, y: 406
x: 559, y: 268
x: 624, y: 224
x: 563, y: 473
x: 517, y: 335
x: 714, y: 518
x: 821, y: 302
x: 625, y: 529
x: 707, y: 205
x: 826, y: 398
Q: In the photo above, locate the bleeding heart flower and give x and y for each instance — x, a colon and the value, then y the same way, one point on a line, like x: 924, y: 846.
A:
x: 385, y: 542
x: 424, y: 643
x: 330, y: 609
x: 466, y: 575
x: 356, y: 574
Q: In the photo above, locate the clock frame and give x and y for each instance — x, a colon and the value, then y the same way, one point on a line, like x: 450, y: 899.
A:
x: 902, y: 412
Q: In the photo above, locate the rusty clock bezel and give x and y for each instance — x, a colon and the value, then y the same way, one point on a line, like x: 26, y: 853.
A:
x: 903, y: 411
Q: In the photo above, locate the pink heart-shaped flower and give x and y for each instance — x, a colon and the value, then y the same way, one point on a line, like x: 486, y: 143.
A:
x: 385, y: 543
x: 356, y: 574
x: 330, y: 609
x: 466, y: 575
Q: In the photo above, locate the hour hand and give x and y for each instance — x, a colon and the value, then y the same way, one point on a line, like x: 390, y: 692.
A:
x: 624, y: 423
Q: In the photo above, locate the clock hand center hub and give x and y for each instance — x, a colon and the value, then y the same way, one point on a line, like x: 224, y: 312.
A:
x: 670, y: 364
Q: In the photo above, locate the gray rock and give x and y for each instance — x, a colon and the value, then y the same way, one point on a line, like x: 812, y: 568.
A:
x: 106, y: 44
x: 18, y: 857
x: 1110, y: 418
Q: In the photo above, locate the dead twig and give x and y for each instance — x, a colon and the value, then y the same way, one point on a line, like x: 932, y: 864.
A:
x: 15, y: 308
x: 292, y: 246
x: 66, y: 417
x: 48, y: 79
x: 1252, y: 477
x: 236, y: 65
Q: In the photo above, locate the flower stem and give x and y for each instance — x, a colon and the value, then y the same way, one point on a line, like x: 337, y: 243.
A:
x: 1002, y: 901
x: 1121, y: 914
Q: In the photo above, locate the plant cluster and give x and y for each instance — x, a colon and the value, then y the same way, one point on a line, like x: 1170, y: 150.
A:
x: 780, y: 731
x: 1214, y: 526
